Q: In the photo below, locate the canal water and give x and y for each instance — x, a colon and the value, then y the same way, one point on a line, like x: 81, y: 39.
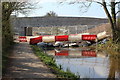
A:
x: 87, y: 63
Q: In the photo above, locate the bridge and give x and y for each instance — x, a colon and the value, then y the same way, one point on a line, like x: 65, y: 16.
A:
x: 27, y: 26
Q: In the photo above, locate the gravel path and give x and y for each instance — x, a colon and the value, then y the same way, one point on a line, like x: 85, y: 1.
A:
x: 25, y: 64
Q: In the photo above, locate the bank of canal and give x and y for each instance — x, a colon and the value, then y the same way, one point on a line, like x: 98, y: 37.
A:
x: 86, y: 63
x: 50, y: 62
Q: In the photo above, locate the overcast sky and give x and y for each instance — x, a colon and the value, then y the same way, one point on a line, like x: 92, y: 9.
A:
x: 74, y: 10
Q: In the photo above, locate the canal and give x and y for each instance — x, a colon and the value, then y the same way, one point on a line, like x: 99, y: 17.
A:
x: 87, y: 63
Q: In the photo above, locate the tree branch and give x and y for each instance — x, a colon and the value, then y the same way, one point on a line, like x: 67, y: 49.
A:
x: 107, y: 13
x: 113, y: 12
x: 99, y: 3
x: 117, y: 3
x: 117, y: 12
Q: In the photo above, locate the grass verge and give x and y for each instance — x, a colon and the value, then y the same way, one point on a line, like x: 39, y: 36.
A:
x: 50, y: 62
x: 110, y: 47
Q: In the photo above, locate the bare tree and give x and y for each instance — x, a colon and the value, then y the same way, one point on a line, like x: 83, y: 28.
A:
x: 51, y: 13
x: 7, y: 9
x: 111, y: 14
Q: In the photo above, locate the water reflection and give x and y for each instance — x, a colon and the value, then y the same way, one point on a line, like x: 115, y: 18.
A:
x: 87, y: 63
x: 75, y: 53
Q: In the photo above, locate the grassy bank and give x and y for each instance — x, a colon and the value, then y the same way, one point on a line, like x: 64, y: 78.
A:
x: 50, y: 62
x: 108, y: 46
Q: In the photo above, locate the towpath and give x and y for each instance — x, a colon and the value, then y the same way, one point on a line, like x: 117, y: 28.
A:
x: 25, y: 64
